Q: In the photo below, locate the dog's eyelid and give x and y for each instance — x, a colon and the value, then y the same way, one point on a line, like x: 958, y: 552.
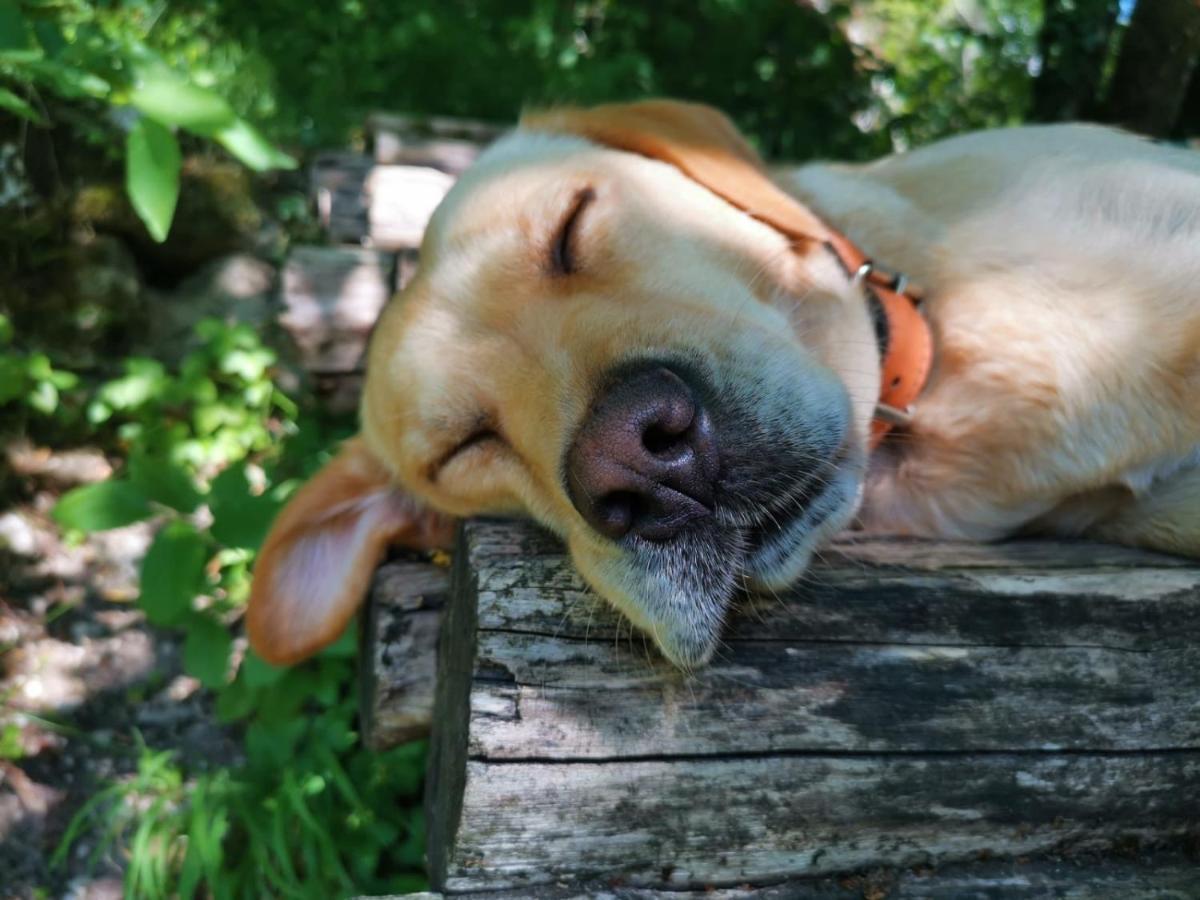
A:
x: 482, y: 433
x: 562, y: 255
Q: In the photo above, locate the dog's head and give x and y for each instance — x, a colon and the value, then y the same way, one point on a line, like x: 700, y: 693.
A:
x: 624, y: 329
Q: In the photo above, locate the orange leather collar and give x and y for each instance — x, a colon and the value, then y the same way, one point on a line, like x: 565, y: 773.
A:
x: 907, y: 344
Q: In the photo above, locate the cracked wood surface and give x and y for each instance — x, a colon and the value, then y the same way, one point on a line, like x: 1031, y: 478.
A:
x: 910, y: 704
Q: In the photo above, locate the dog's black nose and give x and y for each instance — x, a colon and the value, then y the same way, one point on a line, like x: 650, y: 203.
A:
x: 645, y: 460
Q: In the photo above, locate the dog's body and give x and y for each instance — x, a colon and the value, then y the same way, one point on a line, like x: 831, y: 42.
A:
x: 623, y: 328
x: 1062, y: 267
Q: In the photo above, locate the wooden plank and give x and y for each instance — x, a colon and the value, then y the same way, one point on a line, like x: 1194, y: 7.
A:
x: 874, y: 716
x: 400, y: 200
x: 418, y: 126
x: 727, y: 821
x: 331, y: 298
x: 1162, y: 876
x: 526, y: 584
x: 449, y: 155
x: 550, y: 698
x: 338, y: 188
x: 403, y: 619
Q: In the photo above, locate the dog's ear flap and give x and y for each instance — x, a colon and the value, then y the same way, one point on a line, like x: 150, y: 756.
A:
x: 699, y: 141
x: 314, y: 568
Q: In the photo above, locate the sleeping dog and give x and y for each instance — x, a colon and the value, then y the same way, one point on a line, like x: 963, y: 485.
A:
x: 696, y: 371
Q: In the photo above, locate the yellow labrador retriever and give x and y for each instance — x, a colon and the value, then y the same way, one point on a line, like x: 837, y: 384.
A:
x: 696, y: 372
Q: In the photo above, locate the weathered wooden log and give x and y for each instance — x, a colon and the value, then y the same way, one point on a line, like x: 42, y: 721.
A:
x: 908, y: 705
x: 383, y: 207
x: 400, y: 200
x: 444, y: 143
x: 338, y: 188
x: 400, y: 650
x: 1170, y: 876
x: 331, y: 297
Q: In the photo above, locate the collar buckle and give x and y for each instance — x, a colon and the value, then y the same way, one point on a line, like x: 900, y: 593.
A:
x: 896, y: 282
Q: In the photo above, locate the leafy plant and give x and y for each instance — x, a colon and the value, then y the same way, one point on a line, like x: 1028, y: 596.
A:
x: 71, y: 49
x: 213, y: 448
x: 30, y: 379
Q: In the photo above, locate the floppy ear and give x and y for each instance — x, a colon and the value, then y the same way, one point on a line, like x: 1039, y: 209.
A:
x: 699, y: 141
x: 314, y: 568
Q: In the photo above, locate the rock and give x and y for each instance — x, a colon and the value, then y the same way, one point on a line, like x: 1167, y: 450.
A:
x: 216, y: 215
x: 238, y: 288
x: 58, y: 468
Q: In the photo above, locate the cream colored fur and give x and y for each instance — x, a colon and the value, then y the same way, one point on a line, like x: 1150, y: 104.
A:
x: 1061, y: 265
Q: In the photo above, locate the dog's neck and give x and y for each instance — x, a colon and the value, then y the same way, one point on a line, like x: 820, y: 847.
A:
x: 903, y: 334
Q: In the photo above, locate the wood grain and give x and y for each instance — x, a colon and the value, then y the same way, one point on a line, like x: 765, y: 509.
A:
x: 909, y: 704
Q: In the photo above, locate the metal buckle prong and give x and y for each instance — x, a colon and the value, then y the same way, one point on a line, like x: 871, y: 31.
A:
x: 893, y: 415
x: 864, y: 272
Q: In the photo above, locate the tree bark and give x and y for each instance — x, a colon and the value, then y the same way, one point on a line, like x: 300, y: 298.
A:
x: 1154, y: 68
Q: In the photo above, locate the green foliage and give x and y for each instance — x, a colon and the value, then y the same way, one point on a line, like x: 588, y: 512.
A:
x: 786, y: 71
x: 954, y: 66
x: 30, y: 379
x: 94, y: 53
x: 309, y: 813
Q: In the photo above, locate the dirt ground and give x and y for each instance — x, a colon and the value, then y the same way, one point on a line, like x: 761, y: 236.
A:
x: 81, y: 676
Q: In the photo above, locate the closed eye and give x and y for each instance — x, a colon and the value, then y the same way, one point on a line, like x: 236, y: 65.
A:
x: 476, y: 438
x: 563, y: 260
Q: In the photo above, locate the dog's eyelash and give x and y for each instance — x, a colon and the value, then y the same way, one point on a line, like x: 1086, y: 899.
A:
x: 562, y: 255
x: 474, y: 439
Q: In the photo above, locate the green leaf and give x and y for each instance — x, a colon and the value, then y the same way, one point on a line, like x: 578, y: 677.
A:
x: 50, y: 36
x: 165, y: 482
x: 255, y: 151
x: 65, y: 79
x: 14, y: 104
x: 206, y: 651
x: 13, y: 33
x: 172, y: 573
x: 6, y: 329
x: 97, y: 507
x: 259, y: 673
x: 152, y: 164
x: 240, y: 519
x: 236, y: 701
x: 144, y: 379
x: 43, y: 397
x: 169, y: 98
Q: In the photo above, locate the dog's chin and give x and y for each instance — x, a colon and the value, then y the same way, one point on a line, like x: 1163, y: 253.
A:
x: 781, y: 546
x: 680, y: 592
x: 677, y: 592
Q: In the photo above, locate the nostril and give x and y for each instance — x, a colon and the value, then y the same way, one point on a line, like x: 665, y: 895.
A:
x: 615, y: 513
x: 661, y: 440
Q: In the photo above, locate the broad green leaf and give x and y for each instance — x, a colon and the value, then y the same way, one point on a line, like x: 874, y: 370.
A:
x: 12, y: 377
x: 172, y: 573
x: 14, y: 104
x: 240, y: 519
x: 66, y: 79
x: 259, y: 673
x: 144, y: 379
x: 346, y: 646
x: 43, y: 397
x: 13, y: 33
x: 6, y: 329
x: 255, y: 151
x: 165, y: 482
x: 97, y: 507
x: 236, y: 701
x: 50, y: 36
x: 168, y: 97
x: 152, y: 164
x: 206, y: 651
